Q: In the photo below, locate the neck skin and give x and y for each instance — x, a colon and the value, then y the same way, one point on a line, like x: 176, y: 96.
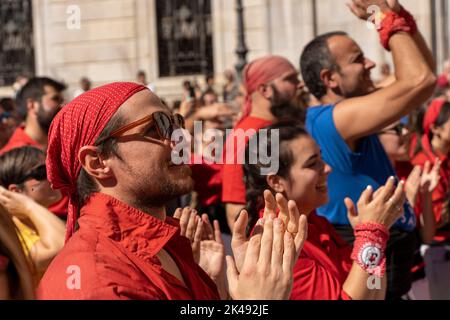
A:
x: 331, y: 98
x: 35, y: 132
x: 439, y: 146
x: 261, y: 109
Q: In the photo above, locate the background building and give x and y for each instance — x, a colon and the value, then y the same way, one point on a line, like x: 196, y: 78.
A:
x: 173, y: 40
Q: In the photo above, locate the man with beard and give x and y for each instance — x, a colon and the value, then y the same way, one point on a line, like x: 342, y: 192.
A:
x: 271, y: 83
x: 352, y: 112
x: 110, y: 150
x: 38, y: 102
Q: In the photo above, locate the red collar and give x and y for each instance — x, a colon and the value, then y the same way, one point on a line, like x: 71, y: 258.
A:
x: 137, y: 231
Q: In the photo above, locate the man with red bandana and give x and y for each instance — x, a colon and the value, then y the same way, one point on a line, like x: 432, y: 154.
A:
x: 110, y: 150
x: 270, y: 82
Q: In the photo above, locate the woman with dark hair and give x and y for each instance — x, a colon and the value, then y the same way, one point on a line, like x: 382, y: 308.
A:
x: 16, y: 276
x: 328, y: 268
x: 432, y: 147
x: 25, y: 192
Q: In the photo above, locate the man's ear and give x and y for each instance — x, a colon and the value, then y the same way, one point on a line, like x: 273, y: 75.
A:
x: 328, y: 78
x: 276, y: 183
x: 14, y: 188
x: 93, y: 164
x: 32, y: 106
x: 265, y: 90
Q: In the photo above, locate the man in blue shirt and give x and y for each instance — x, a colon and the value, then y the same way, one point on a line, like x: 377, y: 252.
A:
x: 353, y: 111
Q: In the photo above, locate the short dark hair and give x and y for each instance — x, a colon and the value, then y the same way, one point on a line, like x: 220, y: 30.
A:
x: 16, y: 163
x: 86, y: 186
x: 315, y: 57
x: 34, y: 89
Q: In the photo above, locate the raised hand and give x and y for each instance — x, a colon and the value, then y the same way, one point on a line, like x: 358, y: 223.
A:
x: 360, y: 8
x: 267, y: 269
x: 17, y: 204
x: 288, y: 213
x: 412, y: 185
x: 384, y: 206
x: 206, y: 241
x: 430, y: 177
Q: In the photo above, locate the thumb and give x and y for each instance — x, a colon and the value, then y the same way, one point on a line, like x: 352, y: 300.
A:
x: 351, y: 208
x: 232, y: 275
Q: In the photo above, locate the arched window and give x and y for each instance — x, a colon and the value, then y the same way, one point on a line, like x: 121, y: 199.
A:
x: 184, y: 37
x: 16, y: 40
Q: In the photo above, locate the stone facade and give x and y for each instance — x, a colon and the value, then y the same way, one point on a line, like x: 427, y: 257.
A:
x: 118, y: 37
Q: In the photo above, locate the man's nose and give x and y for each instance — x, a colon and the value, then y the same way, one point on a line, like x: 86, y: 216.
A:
x: 369, y: 64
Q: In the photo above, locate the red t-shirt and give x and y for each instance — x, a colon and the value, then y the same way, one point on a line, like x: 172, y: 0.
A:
x: 207, y: 183
x: 233, y: 187
x: 113, y: 256
x: 20, y: 139
x: 323, y: 265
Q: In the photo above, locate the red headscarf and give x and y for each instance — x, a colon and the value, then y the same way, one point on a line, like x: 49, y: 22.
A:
x: 432, y: 114
x: 262, y: 71
x: 79, y: 124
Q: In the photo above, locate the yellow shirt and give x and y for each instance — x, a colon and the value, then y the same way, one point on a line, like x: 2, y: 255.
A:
x: 27, y: 236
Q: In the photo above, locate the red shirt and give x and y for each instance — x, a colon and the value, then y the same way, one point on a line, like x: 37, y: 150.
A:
x: 233, y: 187
x: 20, y: 139
x: 115, y: 252
x: 208, y: 183
x: 323, y: 265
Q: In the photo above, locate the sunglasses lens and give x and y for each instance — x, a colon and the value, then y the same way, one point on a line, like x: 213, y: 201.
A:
x: 163, y: 124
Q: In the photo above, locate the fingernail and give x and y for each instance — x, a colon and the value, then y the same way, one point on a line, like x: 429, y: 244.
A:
x: 261, y: 221
x: 391, y: 178
x: 369, y: 187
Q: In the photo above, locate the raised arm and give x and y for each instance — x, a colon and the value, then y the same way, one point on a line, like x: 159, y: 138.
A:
x: 414, y: 84
x: 50, y: 228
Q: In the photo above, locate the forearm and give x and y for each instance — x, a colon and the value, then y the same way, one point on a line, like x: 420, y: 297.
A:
x: 427, y: 220
x: 360, y: 285
x: 50, y: 228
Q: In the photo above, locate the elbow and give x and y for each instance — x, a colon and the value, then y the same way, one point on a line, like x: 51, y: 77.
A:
x: 425, y: 85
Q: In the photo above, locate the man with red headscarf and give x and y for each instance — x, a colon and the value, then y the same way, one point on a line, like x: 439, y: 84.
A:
x: 110, y: 150
x: 271, y: 83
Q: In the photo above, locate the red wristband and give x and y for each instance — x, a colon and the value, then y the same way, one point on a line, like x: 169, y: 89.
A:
x: 391, y: 24
x: 370, y: 246
x: 409, y: 19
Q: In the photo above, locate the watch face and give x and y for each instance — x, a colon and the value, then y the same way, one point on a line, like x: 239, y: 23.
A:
x: 370, y: 256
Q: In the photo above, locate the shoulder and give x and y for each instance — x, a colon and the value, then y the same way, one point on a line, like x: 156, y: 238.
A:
x: 89, y: 267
